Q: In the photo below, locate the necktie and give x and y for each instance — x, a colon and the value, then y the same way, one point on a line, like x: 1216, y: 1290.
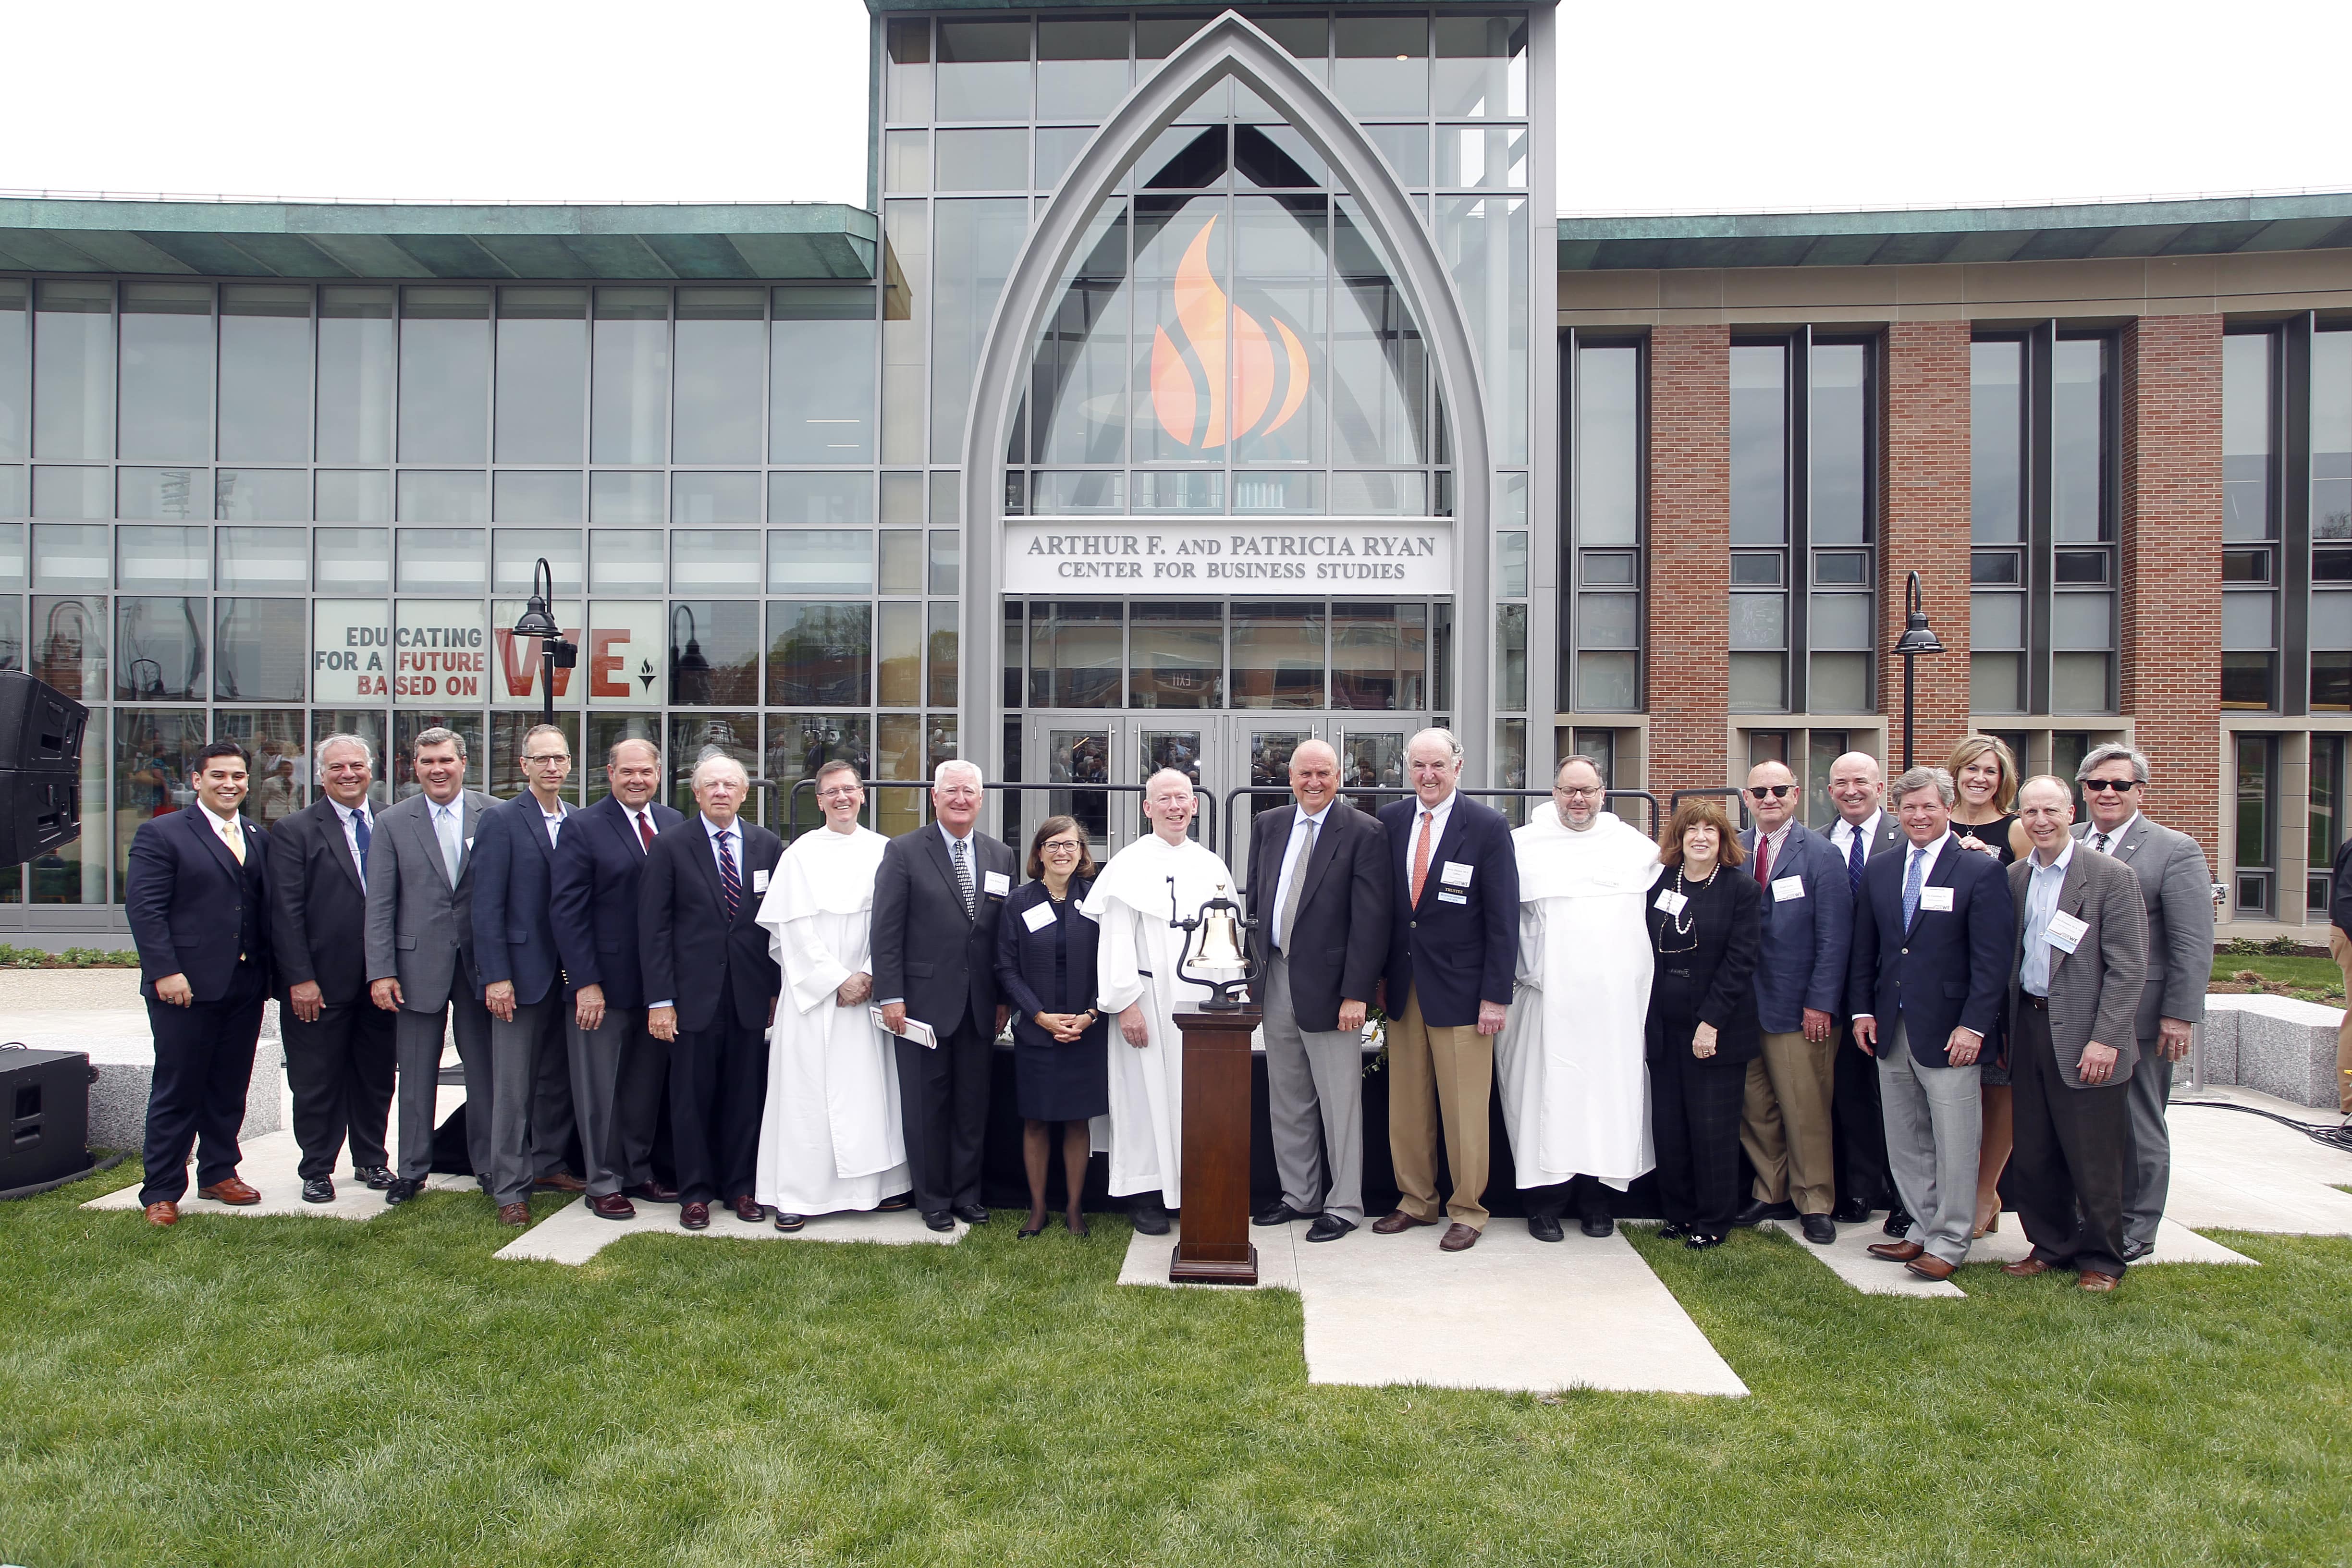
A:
x: 963, y: 876
x: 645, y: 827
x: 360, y: 834
x: 236, y: 839
x: 1290, y: 916
x: 445, y: 826
x: 1911, y: 886
x: 1854, y: 858
x: 1763, y: 861
x: 1420, y: 858
x: 729, y: 881
x: 2099, y: 842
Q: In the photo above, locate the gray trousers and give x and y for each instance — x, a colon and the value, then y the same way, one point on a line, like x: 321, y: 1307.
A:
x: 2147, y: 1163
x: 1315, y: 1102
x: 416, y: 1041
x: 1935, y: 1126
x: 531, y: 1096
x: 618, y: 1072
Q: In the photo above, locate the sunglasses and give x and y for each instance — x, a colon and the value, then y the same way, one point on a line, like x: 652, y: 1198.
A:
x: 1775, y: 792
x: 2101, y: 787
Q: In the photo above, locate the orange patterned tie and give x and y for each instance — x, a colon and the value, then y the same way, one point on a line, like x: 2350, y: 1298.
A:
x: 1421, y: 859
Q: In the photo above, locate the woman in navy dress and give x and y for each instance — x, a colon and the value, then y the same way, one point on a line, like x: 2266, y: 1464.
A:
x: 1046, y: 970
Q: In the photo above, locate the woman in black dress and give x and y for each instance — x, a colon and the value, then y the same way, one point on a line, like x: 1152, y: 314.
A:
x: 1045, y: 968
x: 1984, y: 819
x: 1707, y: 926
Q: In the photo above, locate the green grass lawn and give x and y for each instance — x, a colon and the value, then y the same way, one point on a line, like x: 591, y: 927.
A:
x: 2312, y: 979
x: 307, y: 1391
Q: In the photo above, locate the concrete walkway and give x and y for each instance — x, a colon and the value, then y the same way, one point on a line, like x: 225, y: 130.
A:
x: 572, y: 1235
x: 271, y: 1166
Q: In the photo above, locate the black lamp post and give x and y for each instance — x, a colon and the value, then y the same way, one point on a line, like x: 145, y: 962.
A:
x: 689, y: 671
x: 538, y: 621
x: 1915, y: 640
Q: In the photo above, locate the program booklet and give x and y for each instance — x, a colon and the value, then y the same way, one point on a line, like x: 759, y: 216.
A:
x: 916, y: 1030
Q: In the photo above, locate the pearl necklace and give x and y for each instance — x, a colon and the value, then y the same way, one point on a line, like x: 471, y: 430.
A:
x: 1682, y: 917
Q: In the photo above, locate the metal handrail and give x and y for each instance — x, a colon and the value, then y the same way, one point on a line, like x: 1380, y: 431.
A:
x: 1401, y: 791
x: 1675, y: 801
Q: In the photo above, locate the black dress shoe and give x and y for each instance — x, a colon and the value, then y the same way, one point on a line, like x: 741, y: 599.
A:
x: 893, y: 1205
x: 1151, y: 1219
x: 1596, y: 1225
x: 943, y: 1220
x: 1898, y: 1222
x: 402, y: 1189
x: 1280, y: 1213
x: 1757, y: 1211
x: 374, y: 1178
x: 1544, y: 1228
x: 1850, y: 1211
x: 1700, y: 1240
x: 1670, y: 1231
x: 2133, y: 1250
x: 789, y: 1223
x: 971, y: 1213
x: 1819, y: 1230
x: 1329, y: 1227
x: 319, y: 1190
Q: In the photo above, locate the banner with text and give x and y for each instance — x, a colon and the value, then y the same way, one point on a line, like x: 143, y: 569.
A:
x: 1136, y: 557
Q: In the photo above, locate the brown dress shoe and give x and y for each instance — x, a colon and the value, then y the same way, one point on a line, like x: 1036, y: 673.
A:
x: 562, y: 1182
x: 1458, y: 1237
x: 1896, y: 1251
x: 1395, y: 1221
x: 1927, y: 1268
x: 694, y: 1217
x: 612, y: 1205
x: 2025, y: 1268
x: 165, y: 1212
x: 515, y: 1214
x: 652, y: 1191
x: 749, y: 1209
x: 2095, y: 1280
x: 229, y: 1190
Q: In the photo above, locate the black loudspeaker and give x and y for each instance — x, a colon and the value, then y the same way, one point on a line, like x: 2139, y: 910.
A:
x: 40, y: 767
x: 44, y: 1117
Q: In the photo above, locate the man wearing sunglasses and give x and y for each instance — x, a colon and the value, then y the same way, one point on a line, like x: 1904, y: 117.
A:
x: 1801, y: 976
x: 2177, y: 894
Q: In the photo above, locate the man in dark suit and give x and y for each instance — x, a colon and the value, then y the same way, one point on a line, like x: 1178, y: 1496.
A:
x: 420, y: 953
x: 1861, y: 832
x: 618, y: 1069
x: 514, y: 947
x: 1801, y: 976
x: 2176, y: 900
x: 1319, y: 889
x: 2075, y: 984
x: 1453, y: 948
x: 713, y: 989
x: 197, y: 897
x: 339, y: 1043
x: 936, y: 903
x: 1932, y: 946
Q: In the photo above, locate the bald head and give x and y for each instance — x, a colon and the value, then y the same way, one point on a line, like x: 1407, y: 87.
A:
x: 1314, y: 775
x: 1857, y: 784
x: 1771, y: 795
x: 1168, y: 804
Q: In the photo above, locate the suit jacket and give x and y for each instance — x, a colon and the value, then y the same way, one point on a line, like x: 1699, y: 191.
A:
x: 1726, y: 927
x: 1459, y: 954
x: 593, y: 900
x: 1340, y: 943
x: 514, y: 867
x: 2095, y: 991
x: 2176, y: 889
x: 1950, y: 970
x: 1808, y: 939
x: 1024, y: 964
x: 194, y: 911
x: 695, y: 956
x: 318, y: 910
x: 420, y: 930
x: 928, y: 954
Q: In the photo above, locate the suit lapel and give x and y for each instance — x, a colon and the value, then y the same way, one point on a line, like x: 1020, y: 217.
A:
x: 1327, y: 849
x: 1437, y: 851
x: 937, y: 848
x: 211, y: 835
x: 331, y: 824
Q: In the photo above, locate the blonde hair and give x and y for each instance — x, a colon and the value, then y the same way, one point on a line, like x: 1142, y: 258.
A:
x: 2004, y: 792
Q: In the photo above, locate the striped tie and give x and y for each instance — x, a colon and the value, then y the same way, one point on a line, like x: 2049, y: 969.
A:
x: 727, y: 880
x: 963, y: 876
x: 1854, y: 862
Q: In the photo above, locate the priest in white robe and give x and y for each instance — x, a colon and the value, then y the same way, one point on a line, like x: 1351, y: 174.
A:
x: 1576, y: 1092
x: 1135, y: 977
x: 831, y: 1139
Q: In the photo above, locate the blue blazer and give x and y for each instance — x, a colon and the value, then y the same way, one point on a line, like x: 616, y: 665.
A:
x: 593, y: 900
x: 1465, y: 951
x: 192, y: 907
x: 514, y: 869
x: 1025, y: 963
x: 1807, y: 940
x: 1951, y: 968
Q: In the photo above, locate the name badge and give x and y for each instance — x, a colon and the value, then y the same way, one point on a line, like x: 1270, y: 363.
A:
x: 1787, y: 888
x: 469, y: 843
x: 1453, y: 897
x: 995, y: 884
x: 1455, y: 874
x: 1936, y: 898
x: 1671, y: 902
x: 2065, y: 931
x: 759, y: 882
x: 1037, y: 916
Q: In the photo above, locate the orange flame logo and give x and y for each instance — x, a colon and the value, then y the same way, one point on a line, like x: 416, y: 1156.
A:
x: 1193, y: 419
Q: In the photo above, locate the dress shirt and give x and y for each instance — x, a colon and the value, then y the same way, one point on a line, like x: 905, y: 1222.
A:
x: 229, y: 832
x: 732, y: 830
x: 1294, y: 853
x: 1438, y: 814
x: 2042, y: 886
x: 1844, y: 835
x: 1768, y: 846
x: 1930, y: 855
x: 2115, y: 839
x: 553, y: 819
x: 352, y: 815
x: 641, y: 822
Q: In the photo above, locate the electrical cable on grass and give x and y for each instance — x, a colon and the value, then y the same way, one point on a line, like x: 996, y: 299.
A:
x: 2327, y: 1137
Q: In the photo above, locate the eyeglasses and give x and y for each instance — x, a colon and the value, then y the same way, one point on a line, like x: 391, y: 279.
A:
x: 551, y: 757
x: 2101, y: 787
x: 1777, y: 792
x: 842, y: 792
x: 1567, y: 792
x: 1063, y: 846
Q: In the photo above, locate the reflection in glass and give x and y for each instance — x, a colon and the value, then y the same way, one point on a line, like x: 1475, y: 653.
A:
x: 625, y: 497
x: 1510, y: 659
x: 1839, y: 444
x: 1756, y: 684
x: 1058, y: 147
x: 943, y: 651
x: 947, y: 559
x: 354, y: 495
x: 1075, y: 654
x: 827, y: 417
x: 1607, y: 445
x: 907, y: 80
x: 154, y: 753
x: 1275, y: 157
x: 820, y: 560
x: 442, y: 560
x: 820, y: 654
x: 353, y: 560
x: 1760, y: 437
x: 1383, y: 66
x: 73, y: 369
x: 976, y: 243
x: 167, y: 371
x: 1281, y: 258
x: 1182, y: 492
x: 902, y: 561
x: 983, y: 70
x: 176, y: 559
x: 1379, y: 365
x: 158, y: 651
x: 1370, y: 760
x: 629, y: 395
x: 272, y: 739
x: 714, y: 497
x: 2078, y: 440
x: 898, y: 655
x: 261, y: 495
x: 15, y: 347
x: 265, y: 373
x: 905, y: 324
x: 996, y: 160
x: 714, y: 560
x: 162, y: 492
x: 1391, y: 494
x: 429, y: 495
x: 1079, y: 494
x: 1608, y: 620
x: 543, y: 381
x: 535, y: 496
x: 820, y: 498
x: 1482, y: 66
x: 267, y: 560
x: 1485, y: 242
x: 1078, y: 387
x: 714, y: 654
x: 721, y: 372
x: 71, y: 555
x: 2331, y: 435
x: 1997, y: 442
x: 1277, y: 655
x: 1607, y: 682
x: 259, y: 652
x: 1406, y: 147
x: 800, y: 743
x: 693, y: 737
x: 1379, y: 656
x: 1839, y: 683
x: 1081, y: 67
x: 2246, y: 360
x: 355, y: 375
x: 906, y: 162
x: 1080, y: 758
x: 445, y: 376
x: 1177, y: 655
x: 1759, y: 620
x: 70, y: 645
x: 515, y: 554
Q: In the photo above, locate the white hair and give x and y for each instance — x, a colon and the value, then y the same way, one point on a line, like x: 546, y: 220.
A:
x: 319, y: 755
x: 1443, y: 737
x: 715, y: 758
x: 939, y: 773
x: 1178, y: 775
x: 1917, y: 779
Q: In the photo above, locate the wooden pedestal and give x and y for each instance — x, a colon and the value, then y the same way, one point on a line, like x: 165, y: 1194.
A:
x: 1216, y: 1248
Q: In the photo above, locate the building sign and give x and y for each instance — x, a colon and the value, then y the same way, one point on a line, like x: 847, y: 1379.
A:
x: 350, y: 651
x: 1144, y: 556
x: 516, y: 661
x: 441, y: 655
x: 624, y: 657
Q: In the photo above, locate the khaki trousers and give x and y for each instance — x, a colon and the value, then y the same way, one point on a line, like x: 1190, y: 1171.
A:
x: 1785, y: 1122
x: 2340, y: 950
x: 1435, y: 1074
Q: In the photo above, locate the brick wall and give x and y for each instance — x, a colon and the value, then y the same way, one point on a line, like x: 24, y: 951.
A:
x: 1690, y: 558
x: 2170, y: 639
x: 1923, y: 527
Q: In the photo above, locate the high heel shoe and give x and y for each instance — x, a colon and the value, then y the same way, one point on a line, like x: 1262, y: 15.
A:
x: 1034, y: 1227
x: 1986, y: 1228
x: 1078, y: 1223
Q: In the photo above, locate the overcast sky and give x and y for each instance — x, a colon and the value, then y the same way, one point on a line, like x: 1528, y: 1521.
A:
x: 1699, y: 106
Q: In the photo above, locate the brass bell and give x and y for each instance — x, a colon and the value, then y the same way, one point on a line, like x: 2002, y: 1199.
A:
x: 1216, y: 952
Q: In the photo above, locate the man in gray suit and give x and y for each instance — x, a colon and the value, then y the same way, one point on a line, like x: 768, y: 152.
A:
x: 420, y: 952
x: 2177, y: 896
x: 1862, y: 829
x: 2075, y: 984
